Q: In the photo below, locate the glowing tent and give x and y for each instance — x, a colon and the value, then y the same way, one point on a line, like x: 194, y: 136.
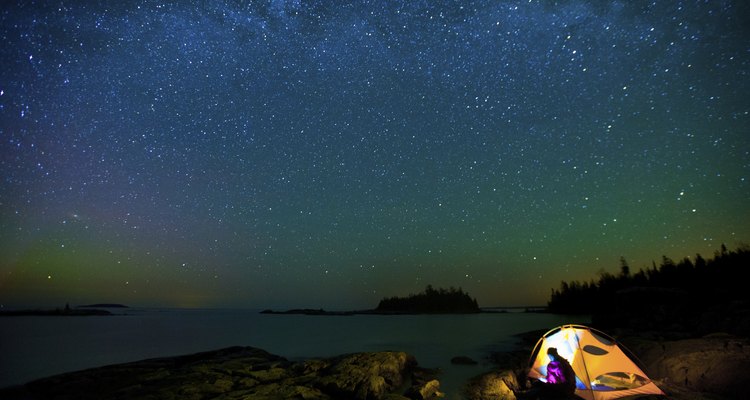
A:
x: 603, y: 370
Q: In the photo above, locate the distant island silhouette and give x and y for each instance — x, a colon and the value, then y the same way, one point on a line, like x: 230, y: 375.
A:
x: 104, y: 305
x: 67, y: 311
x: 430, y: 301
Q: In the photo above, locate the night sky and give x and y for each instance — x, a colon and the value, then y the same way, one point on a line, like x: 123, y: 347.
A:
x: 321, y: 154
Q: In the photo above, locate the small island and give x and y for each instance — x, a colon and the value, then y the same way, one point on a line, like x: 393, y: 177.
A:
x: 103, y: 305
x: 430, y: 301
x: 57, y: 312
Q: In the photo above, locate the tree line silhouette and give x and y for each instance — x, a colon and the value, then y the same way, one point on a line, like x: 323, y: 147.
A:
x: 431, y: 301
x: 691, y: 291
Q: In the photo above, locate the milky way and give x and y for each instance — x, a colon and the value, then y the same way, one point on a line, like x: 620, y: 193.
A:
x: 294, y: 153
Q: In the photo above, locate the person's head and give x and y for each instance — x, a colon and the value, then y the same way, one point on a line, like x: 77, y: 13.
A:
x: 552, y: 354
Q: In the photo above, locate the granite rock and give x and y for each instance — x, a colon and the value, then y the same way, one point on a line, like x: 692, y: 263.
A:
x: 715, y: 364
x: 233, y: 373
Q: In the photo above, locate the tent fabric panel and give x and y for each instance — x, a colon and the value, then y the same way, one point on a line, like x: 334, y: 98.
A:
x: 590, y: 365
x: 615, y: 361
x: 585, y: 394
x: 649, y: 388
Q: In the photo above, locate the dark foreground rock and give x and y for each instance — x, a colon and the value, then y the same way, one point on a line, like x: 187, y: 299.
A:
x: 238, y: 373
x: 715, y: 366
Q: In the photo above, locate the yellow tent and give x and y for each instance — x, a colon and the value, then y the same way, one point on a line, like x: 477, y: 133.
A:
x: 603, y: 370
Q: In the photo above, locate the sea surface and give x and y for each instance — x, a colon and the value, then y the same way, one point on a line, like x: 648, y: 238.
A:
x: 35, y: 347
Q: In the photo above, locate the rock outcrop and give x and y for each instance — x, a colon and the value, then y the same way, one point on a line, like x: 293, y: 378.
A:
x: 237, y: 373
x: 716, y: 364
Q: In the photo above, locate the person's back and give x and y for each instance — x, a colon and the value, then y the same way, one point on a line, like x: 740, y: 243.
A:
x: 570, y: 376
x: 560, y: 375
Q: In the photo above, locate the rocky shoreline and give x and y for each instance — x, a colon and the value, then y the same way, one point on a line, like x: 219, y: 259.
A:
x: 711, y: 367
x: 242, y: 373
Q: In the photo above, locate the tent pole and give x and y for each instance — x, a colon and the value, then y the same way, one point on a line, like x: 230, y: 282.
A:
x: 587, y: 383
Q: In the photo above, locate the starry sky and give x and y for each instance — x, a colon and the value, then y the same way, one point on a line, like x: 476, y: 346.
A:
x: 328, y: 154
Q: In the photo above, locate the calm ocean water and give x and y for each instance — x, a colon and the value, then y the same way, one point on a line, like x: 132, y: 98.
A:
x: 35, y: 347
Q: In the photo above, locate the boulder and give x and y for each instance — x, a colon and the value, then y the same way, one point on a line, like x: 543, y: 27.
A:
x: 366, y: 375
x: 463, y: 360
x: 499, y: 385
x: 430, y: 390
x: 424, y: 384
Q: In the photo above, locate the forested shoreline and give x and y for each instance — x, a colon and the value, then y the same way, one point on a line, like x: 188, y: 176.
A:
x: 697, y: 293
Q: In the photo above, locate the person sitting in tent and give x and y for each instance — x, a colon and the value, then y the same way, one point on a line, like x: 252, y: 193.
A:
x: 561, y: 379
